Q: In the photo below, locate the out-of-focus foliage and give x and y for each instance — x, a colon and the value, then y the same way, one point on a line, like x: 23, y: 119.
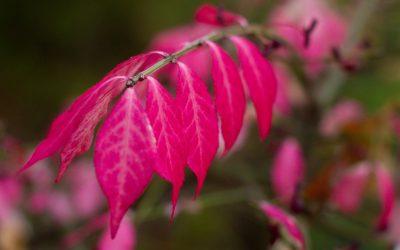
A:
x: 51, y: 51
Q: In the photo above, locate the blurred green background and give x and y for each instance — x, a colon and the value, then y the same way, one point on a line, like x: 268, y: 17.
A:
x: 51, y: 51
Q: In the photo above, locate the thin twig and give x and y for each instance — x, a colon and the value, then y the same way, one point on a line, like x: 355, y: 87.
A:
x: 213, y: 36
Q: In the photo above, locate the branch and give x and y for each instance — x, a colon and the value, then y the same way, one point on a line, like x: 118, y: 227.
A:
x: 213, y: 36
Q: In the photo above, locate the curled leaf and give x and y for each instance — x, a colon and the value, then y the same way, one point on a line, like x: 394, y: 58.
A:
x: 229, y: 94
x: 200, y: 125
x: 260, y: 80
x: 71, y: 133
x: 167, y: 127
x: 124, y: 156
x: 284, y: 220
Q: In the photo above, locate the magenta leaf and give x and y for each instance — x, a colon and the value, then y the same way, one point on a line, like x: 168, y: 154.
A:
x: 81, y: 139
x: 213, y: 15
x: 229, y: 94
x: 341, y: 115
x: 68, y: 122
x: 167, y: 127
x: 260, y: 80
x: 348, y: 190
x: 124, y: 156
x: 71, y: 133
x: 284, y: 220
x: 386, y: 193
x: 287, y: 170
x: 200, y: 124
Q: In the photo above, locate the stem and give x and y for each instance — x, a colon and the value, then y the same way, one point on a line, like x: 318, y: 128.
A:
x: 213, y: 36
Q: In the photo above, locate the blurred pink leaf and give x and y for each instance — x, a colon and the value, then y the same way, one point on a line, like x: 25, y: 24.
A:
x: 81, y: 196
x: 348, y: 190
x: 260, y: 80
x: 200, y: 125
x: 213, y: 15
x: 287, y: 170
x: 386, y: 193
x: 344, y: 113
x: 124, y: 156
x: 292, y: 17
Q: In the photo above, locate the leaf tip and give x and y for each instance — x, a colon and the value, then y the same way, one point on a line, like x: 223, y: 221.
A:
x: 200, y: 182
x: 27, y: 165
x: 61, y: 173
x: 114, y: 225
x: 174, y: 202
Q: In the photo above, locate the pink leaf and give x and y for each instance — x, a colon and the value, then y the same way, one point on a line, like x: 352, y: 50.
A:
x: 348, y: 190
x: 286, y: 221
x: 81, y: 139
x: 124, y: 156
x: 200, y: 125
x: 344, y: 113
x: 229, y: 94
x: 167, y: 127
x: 210, y: 14
x: 386, y: 192
x: 261, y: 82
x: 71, y: 132
x: 125, y: 240
x: 287, y: 170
